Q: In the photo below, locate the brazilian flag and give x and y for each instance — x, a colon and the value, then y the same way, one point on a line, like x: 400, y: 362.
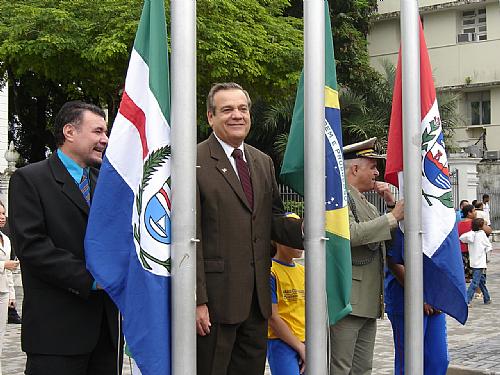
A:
x: 338, y: 252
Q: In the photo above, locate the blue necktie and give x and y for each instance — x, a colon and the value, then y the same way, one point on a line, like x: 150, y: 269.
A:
x: 85, y: 187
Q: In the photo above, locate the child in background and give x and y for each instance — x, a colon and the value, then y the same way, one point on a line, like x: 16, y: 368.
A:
x: 286, y: 351
x: 479, y: 245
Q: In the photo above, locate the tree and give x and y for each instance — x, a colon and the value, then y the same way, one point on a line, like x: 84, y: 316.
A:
x: 264, y: 55
x: 53, y: 51
x: 56, y: 50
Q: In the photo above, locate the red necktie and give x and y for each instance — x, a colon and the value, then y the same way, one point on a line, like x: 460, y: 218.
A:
x: 244, y: 174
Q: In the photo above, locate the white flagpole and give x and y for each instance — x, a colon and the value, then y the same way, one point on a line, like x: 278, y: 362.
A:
x: 183, y: 123
x: 314, y: 186
x: 412, y: 135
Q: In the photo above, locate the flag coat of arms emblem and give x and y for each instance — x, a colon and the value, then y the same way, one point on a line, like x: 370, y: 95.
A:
x: 444, y: 282
x: 128, y: 236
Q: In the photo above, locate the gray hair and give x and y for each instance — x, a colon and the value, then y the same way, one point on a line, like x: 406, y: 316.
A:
x: 224, y: 86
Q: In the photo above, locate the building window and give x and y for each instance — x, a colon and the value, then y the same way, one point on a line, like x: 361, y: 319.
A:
x: 473, y: 26
x: 479, y: 106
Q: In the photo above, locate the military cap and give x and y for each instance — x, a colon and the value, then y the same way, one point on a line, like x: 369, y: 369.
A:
x: 364, y: 149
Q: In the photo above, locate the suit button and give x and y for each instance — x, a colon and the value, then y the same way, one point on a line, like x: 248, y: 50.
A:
x: 255, y: 240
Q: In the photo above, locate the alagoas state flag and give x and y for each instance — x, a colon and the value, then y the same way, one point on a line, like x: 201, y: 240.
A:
x: 127, y: 245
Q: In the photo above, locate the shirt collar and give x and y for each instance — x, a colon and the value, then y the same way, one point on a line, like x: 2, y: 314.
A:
x: 228, y: 149
x: 71, y: 166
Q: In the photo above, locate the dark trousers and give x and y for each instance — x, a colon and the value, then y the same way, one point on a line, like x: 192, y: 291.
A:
x: 234, y: 349
x: 105, y: 359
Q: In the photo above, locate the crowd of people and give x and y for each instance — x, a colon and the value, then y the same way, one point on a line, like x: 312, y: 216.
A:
x: 250, y: 305
x: 474, y: 229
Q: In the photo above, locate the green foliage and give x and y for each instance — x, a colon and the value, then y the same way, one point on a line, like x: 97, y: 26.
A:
x: 294, y: 206
x: 350, y: 22
x: 249, y: 42
x: 56, y: 50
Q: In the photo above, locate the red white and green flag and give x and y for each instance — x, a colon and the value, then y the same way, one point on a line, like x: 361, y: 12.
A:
x: 128, y: 236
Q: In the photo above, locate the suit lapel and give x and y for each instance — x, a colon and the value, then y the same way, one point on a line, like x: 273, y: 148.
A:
x: 68, y: 185
x: 226, y: 169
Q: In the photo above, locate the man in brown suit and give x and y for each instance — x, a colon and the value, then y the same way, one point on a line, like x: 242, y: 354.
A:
x: 239, y: 211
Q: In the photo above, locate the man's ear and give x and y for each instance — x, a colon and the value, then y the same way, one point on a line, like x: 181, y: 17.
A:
x: 210, y: 117
x: 69, y: 131
x: 354, y: 169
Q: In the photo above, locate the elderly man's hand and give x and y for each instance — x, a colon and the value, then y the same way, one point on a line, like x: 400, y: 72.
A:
x: 383, y: 189
x: 399, y: 210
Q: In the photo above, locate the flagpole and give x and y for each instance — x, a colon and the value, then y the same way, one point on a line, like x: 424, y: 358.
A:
x: 412, y: 187
x: 183, y: 122
x: 314, y: 186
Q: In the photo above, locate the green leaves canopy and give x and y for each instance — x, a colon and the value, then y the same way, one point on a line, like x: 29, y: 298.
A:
x: 80, y: 49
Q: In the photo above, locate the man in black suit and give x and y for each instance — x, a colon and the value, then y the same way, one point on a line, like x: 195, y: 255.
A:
x: 70, y: 326
x: 239, y: 210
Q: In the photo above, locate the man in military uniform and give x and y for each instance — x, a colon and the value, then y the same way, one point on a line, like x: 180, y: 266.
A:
x: 353, y: 337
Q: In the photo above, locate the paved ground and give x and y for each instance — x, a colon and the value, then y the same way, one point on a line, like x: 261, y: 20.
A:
x: 475, y: 346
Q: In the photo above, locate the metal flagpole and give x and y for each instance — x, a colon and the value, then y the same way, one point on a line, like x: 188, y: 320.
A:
x: 183, y: 122
x: 314, y: 186
x: 414, y: 347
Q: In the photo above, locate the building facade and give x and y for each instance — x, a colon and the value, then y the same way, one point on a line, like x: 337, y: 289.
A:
x: 463, y: 39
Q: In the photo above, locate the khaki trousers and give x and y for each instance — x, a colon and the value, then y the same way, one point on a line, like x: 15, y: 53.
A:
x: 352, y: 343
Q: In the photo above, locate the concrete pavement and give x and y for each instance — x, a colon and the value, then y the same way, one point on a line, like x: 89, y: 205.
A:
x: 474, y: 348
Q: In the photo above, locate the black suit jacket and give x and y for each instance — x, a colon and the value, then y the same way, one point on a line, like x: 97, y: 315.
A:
x: 48, y: 218
x: 233, y: 255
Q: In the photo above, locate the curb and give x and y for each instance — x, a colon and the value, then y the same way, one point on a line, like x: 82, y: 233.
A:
x: 459, y: 370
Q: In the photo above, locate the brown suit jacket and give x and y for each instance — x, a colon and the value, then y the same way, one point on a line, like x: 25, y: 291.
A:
x: 233, y: 255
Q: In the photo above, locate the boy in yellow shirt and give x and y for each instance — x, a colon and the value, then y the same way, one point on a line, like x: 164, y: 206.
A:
x: 286, y: 351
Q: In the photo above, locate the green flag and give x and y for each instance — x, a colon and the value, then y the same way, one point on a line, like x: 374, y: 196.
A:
x: 338, y: 251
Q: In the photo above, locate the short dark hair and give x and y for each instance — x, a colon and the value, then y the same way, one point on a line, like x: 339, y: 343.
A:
x: 462, y: 202
x: 479, y: 205
x: 486, y: 196
x: 477, y: 224
x: 224, y: 86
x: 466, y: 210
x: 474, y: 202
x: 72, y: 113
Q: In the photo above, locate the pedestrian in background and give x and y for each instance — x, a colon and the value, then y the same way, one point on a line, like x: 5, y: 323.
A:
x: 7, y: 292
x: 479, y: 206
x: 479, y: 245
x: 463, y: 203
x: 486, y: 201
